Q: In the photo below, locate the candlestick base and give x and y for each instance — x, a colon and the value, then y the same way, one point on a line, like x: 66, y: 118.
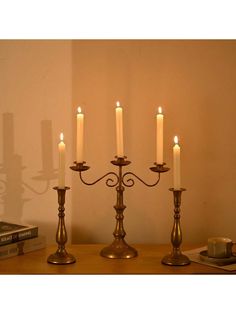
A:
x: 176, y: 259
x: 61, y: 257
x: 119, y: 249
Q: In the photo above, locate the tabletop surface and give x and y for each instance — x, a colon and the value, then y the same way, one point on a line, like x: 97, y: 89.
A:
x: 89, y: 261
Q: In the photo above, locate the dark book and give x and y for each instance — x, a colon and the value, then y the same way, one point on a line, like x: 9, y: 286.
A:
x: 22, y: 247
x: 10, y: 233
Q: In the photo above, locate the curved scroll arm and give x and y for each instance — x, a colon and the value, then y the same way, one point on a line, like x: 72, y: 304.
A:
x: 109, y: 182
x: 34, y: 191
x: 130, y: 182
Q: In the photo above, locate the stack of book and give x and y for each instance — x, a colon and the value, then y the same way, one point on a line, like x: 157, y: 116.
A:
x: 19, y: 239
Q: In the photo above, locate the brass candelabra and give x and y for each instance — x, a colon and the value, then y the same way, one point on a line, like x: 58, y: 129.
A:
x: 176, y: 258
x: 61, y: 256
x: 119, y: 248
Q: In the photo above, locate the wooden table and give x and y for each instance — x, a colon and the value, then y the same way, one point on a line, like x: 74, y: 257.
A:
x: 90, y: 262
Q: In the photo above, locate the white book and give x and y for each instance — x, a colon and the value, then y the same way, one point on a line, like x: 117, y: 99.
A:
x: 22, y: 247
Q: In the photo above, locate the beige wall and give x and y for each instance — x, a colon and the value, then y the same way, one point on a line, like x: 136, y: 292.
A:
x: 43, y: 82
x: 35, y: 98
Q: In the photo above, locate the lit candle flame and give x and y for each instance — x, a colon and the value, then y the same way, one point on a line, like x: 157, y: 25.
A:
x: 160, y: 110
x: 176, y: 140
x: 79, y: 110
x: 117, y: 104
x: 61, y: 137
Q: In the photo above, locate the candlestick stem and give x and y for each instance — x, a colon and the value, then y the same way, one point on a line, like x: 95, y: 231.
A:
x: 119, y: 248
x: 176, y: 258
x: 61, y: 256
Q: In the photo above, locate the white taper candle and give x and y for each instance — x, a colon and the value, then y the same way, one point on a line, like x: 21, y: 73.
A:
x: 119, y: 131
x: 61, y: 174
x: 176, y: 164
x: 159, y: 136
x: 80, y: 136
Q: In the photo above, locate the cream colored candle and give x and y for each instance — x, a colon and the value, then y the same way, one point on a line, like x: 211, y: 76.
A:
x: 159, y: 137
x: 119, y: 131
x: 61, y: 173
x: 80, y: 136
x: 176, y: 164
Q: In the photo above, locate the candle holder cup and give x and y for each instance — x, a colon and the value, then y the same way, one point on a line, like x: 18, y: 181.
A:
x: 61, y: 257
x: 176, y: 258
x: 119, y: 248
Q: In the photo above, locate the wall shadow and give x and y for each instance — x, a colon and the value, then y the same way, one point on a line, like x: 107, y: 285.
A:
x: 12, y: 185
x: 11, y: 169
x: 48, y: 172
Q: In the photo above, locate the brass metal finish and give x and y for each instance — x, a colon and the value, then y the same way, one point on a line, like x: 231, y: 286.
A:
x: 120, y: 161
x: 79, y: 166
x: 176, y: 258
x: 119, y: 248
x: 159, y: 168
x: 61, y: 256
x: 130, y: 182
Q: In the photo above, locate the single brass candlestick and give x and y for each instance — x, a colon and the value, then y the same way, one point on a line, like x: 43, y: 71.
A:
x: 61, y: 256
x: 119, y: 248
x: 176, y: 258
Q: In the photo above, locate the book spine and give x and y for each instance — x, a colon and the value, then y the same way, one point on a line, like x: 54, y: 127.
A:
x: 18, y: 236
x: 22, y: 247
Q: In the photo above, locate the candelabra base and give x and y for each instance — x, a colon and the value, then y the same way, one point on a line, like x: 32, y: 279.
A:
x: 61, y: 258
x: 176, y: 259
x: 119, y: 249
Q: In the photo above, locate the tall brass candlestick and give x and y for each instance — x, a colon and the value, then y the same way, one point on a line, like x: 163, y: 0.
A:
x: 119, y: 248
x: 176, y: 258
x: 61, y: 256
